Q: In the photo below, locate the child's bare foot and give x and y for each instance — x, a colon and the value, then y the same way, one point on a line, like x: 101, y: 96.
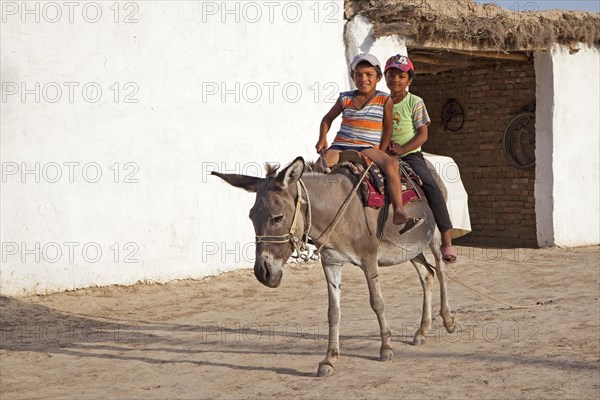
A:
x: 400, y: 217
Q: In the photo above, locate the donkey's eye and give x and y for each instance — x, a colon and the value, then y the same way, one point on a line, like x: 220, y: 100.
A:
x: 277, y: 219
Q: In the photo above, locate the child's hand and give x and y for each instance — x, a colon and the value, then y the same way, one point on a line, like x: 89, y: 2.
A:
x: 321, y: 145
x: 395, y: 149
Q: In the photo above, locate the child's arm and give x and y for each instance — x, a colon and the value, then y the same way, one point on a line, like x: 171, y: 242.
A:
x: 388, y: 125
x: 326, y: 125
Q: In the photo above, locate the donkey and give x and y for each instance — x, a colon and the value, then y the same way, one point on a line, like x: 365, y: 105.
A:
x: 289, y: 209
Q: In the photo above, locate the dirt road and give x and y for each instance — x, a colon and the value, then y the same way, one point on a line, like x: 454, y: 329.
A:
x: 230, y: 337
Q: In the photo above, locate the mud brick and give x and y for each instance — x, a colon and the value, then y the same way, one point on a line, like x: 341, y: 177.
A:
x: 497, y: 191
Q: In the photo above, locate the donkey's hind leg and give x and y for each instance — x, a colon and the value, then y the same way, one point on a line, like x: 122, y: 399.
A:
x: 426, y: 278
x: 440, y: 268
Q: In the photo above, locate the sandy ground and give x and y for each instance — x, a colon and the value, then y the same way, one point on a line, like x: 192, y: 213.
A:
x: 230, y: 337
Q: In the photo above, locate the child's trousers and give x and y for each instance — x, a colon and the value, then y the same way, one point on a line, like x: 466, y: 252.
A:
x: 432, y: 191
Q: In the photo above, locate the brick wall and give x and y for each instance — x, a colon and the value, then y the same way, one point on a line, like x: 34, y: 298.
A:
x: 501, y: 199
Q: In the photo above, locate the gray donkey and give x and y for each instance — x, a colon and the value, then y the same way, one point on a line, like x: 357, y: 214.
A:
x: 325, y: 208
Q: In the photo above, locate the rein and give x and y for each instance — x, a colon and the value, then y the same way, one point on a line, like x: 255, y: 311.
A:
x: 299, y: 245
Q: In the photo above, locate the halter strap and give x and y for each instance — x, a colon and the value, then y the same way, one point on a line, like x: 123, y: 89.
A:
x: 291, y: 236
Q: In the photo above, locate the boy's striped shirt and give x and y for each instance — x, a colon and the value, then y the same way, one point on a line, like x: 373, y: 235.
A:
x: 361, y: 127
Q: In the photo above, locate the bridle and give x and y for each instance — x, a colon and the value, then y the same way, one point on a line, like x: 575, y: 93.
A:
x: 299, y: 245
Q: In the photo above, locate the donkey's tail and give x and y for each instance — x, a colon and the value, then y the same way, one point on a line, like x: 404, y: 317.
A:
x: 423, y: 261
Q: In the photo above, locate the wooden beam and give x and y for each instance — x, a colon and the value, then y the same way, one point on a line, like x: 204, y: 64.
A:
x: 457, y: 45
x: 442, y: 62
x: 433, y: 70
x: 513, y: 56
x: 429, y: 59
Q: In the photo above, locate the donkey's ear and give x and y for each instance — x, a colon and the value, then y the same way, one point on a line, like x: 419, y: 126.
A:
x: 250, y: 183
x: 290, y: 174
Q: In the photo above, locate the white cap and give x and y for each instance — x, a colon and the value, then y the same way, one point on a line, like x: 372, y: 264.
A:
x: 370, y: 58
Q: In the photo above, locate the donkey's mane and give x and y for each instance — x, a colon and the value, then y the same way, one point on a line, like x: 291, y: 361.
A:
x: 272, y: 168
x: 311, y: 166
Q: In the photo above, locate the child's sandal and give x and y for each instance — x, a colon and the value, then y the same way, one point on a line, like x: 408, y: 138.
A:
x: 448, y: 254
x: 410, y: 224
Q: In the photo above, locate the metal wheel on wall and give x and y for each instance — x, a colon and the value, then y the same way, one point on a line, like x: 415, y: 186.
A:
x: 519, y: 140
x: 453, y: 115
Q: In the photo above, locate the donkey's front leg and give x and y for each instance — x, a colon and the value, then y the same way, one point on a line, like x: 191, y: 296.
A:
x: 333, y: 275
x: 371, y: 271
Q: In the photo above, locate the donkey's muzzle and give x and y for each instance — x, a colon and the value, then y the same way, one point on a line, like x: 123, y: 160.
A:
x: 266, y: 274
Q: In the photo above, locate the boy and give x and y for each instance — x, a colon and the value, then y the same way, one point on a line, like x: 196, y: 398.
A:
x: 367, y: 127
x: 410, y: 120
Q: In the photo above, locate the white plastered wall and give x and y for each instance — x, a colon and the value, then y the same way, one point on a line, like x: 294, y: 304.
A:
x: 359, y: 38
x: 201, y: 86
x: 189, y: 87
x: 568, y: 146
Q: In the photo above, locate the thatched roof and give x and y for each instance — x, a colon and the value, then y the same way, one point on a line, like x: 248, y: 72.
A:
x: 466, y: 25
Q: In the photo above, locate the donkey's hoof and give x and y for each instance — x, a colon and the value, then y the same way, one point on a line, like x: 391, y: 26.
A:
x: 325, y: 370
x: 419, y: 340
x: 386, y: 354
x: 451, y: 327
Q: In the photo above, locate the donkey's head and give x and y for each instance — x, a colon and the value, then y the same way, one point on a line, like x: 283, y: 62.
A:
x: 278, y: 221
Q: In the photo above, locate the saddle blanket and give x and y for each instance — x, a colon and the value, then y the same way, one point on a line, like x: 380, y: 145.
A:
x: 372, y: 189
x: 373, y: 193
x: 447, y: 175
